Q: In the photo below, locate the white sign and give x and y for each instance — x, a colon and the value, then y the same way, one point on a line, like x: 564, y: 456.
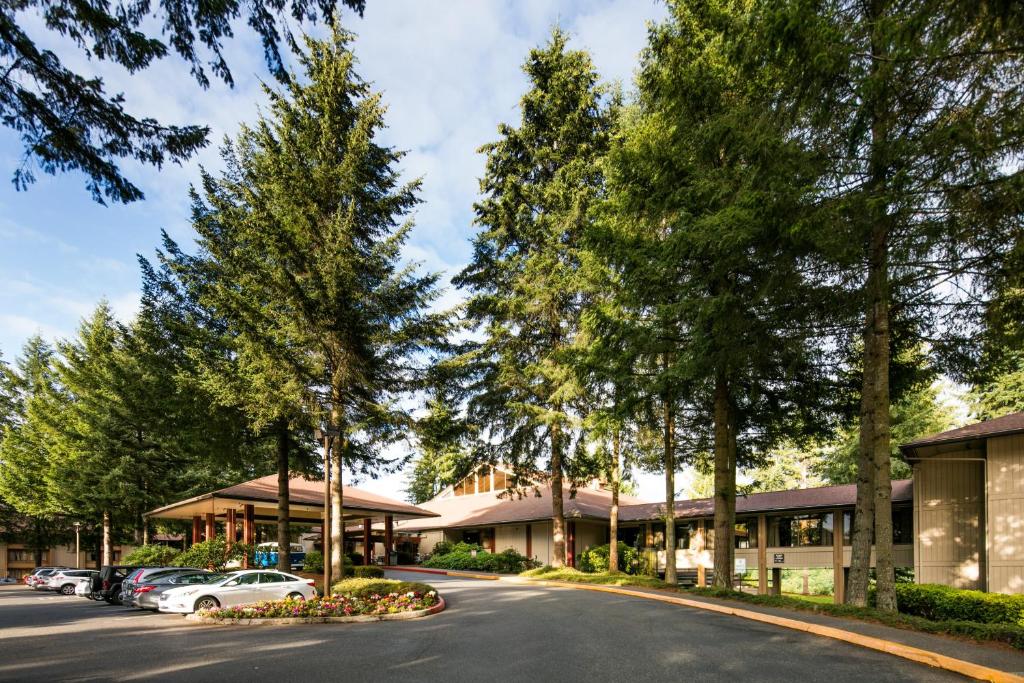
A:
x: 741, y: 565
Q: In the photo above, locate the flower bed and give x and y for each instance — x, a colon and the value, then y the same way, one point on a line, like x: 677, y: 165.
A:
x: 333, y: 606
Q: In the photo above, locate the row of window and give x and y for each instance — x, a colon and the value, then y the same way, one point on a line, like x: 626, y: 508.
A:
x: 481, y: 482
x: 797, y: 530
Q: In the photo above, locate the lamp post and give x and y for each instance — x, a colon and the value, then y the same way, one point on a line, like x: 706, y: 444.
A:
x: 78, y: 551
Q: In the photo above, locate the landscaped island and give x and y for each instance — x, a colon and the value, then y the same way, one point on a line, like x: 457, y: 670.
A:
x: 351, y: 598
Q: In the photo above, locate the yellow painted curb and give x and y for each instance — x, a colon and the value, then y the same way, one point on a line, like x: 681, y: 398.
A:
x: 969, y: 669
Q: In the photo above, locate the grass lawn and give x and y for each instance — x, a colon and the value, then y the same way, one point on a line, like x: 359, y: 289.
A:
x: 817, y: 599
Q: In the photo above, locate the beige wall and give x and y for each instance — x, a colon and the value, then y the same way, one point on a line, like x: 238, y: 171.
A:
x: 1005, y: 470
x: 510, y: 536
x: 948, y: 520
x: 589, y: 534
x: 795, y: 558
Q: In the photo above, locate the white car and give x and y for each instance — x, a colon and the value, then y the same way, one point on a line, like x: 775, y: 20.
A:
x: 236, y: 588
x: 66, y: 581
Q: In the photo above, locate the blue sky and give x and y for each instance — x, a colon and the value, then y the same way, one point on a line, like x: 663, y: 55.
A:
x: 449, y: 72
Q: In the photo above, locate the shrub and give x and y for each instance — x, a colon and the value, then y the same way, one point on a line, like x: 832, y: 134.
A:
x: 151, y: 556
x: 212, y: 554
x: 362, y: 588
x: 368, y: 572
x: 442, y: 548
x: 461, y: 557
x: 596, y: 559
x: 354, y: 558
x: 314, y: 562
x: 944, y: 603
x: 333, y: 606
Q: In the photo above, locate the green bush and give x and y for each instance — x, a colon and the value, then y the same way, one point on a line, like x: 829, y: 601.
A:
x: 213, y: 554
x: 314, y: 562
x: 358, y: 588
x: 595, y: 560
x: 151, y: 556
x: 442, y: 548
x: 461, y: 557
x: 944, y: 603
x: 368, y: 572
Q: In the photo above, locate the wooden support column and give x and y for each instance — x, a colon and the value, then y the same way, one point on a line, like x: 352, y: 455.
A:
x: 776, y: 580
x: 389, y: 538
x: 366, y: 540
x: 837, y: 558
x: 248, y: 529
x: 648, y: 535
x: 197, y: 529
x: 570, y: 546
x: 762, y: 555
x: 230, y: 530
x: 529, y: 541
x: 701, y: 572
x: 211, y: 526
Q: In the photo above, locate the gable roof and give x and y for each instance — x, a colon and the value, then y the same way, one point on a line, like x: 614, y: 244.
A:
x: 1007, y: 424
x: 797, y: 499
x: 534, y: 505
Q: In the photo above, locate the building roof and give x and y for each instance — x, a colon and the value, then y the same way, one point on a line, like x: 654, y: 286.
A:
x: 1007, y: 424
x: 797, y: 499
x: 487, y: 509
x: 306, y: 500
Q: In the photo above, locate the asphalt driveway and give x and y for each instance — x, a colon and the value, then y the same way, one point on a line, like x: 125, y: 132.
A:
x: 490, y: 632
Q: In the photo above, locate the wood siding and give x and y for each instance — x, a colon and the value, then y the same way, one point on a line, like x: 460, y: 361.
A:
x: 948, y: 521
x: 1006, y: 514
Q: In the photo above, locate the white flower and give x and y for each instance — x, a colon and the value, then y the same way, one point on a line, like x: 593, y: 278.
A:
x: 410, y: 594
x: 432, y: 593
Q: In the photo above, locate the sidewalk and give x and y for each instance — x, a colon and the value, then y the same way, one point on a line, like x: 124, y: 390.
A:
x: 991, y: 655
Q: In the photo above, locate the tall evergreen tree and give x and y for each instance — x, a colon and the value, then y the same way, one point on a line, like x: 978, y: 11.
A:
x: 915, y: 105
x: 306, y: 230
x: 541, y: 178
x: 710, y: 185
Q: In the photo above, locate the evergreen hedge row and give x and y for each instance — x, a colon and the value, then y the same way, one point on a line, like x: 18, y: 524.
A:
x: 944, y: 603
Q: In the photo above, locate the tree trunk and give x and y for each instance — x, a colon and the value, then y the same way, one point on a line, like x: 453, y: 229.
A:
x: 108, y: 549
x: 864, y: 510
x: 557, y: 510
x: 725, y: 485
x: 884, y: 572
x: 284, y: 563
x: 669, y: 463
x: 613, y: 517
x: 337, y: 512
x: 145, y: 533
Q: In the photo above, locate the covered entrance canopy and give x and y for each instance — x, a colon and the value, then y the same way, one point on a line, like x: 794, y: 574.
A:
x: 255, y: 501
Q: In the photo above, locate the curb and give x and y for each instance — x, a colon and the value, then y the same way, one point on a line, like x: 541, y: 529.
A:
x: 284, y: 621
x: 934, y: 659
x: 445, y: 572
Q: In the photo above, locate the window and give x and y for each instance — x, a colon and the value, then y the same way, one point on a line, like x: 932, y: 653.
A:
x: 686, y: 535
x: 248, y: 579
x: 902, y: 525
x: 746, y: 533
x: 272, y: 578
x: 465, y: 487
x: 484, y: 480
x: 798, y: 531
x: 500, y: 480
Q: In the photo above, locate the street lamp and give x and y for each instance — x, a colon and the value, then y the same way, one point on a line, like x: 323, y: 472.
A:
x: 78, y: 551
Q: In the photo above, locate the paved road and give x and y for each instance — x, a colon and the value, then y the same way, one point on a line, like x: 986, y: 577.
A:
x: 490, y: 632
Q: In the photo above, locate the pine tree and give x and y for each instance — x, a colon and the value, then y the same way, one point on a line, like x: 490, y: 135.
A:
x: 709, y: 179
x: 541, y: 178
x: 443, y: 458
x: 67, y: 121
x: 304, y: 229
x: 915, y: 107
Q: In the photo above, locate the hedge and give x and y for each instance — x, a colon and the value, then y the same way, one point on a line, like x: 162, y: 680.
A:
x: 944, y: 603
x: 461, y: 556
x: 358, y: 588
x: 368, y: 572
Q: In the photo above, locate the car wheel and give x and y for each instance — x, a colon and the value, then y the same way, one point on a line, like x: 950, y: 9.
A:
x: 207, y: 603
x: 296, y: 596
x: 67, y: 589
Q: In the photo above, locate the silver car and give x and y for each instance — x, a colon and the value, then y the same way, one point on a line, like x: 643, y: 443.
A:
x: 66, y: 581
x: 143, y: 575
x: 147, y: 593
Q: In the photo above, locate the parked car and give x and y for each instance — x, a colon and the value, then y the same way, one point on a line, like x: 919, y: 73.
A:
x: 141, y: 575
x: 147, y: 594
x: 40, y: 575
x: 236, y: 588
x: 66, y: 580
x: 107, y: 584
x: 266, y: 555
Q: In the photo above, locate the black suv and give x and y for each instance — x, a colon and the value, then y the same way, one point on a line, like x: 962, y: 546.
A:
x: 107, y: 584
